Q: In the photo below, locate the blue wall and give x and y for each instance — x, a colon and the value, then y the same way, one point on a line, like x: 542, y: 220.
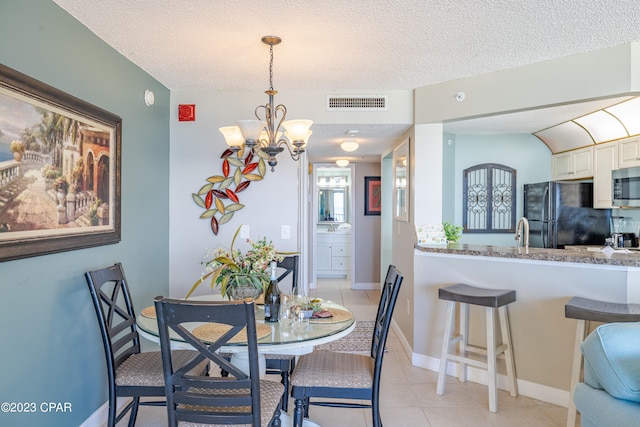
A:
x: 526, y: 153
x: 51, y: 350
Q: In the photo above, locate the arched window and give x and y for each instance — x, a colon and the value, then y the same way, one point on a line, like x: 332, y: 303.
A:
x: 489, y: 199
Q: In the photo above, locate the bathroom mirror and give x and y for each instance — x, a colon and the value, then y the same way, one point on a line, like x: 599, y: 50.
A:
x: 332, y: 204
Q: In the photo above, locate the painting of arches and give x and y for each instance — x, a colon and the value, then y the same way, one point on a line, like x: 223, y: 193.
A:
x: 59, y: 170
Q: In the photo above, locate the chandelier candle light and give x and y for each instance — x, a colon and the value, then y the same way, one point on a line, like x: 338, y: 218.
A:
x: 264, y: 133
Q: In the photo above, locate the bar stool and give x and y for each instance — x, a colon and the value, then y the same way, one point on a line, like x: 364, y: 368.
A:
x: 494, y: 300
x: 586, y: 311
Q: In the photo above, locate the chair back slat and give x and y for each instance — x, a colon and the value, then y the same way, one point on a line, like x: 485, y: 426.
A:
x: 201, y: 399
x: 116, y: 317
x: 290, y: 266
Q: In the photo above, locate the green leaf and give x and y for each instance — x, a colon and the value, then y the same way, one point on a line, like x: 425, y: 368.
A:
x: 225, y: 218
x: 234, y: 207
x: 223, y: 285
x: 198, y: 200
x: 233, y: 241
x: 205, y: 189
x: 198, y: 282
x: 226, y: 183
x: 234, y: 161
x: 237, y: 177
x: 208, y: 213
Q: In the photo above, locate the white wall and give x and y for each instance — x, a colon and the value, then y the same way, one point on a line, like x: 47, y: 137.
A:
x: 597, y: 74
x: 195, y: 155
x: 270, y: 203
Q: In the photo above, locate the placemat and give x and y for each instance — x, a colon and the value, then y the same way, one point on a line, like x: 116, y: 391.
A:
x: 149, y: 312
x: 337, y: 316
x: 212, y: 331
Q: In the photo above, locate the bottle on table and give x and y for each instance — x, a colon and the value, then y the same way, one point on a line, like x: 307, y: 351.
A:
x: 272, y: 297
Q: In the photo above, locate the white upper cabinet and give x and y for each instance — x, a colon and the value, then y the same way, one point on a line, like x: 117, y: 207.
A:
x: 629, y: 153
x: 574, y: 164
x: 605, y: 159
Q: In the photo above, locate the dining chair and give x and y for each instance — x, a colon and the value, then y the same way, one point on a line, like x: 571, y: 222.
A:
x: 240, y: 397
x: 284, y: 364
x: 358, y: 341
x: 290, y: 266
x: 333, y: 375
x: 131, y: 373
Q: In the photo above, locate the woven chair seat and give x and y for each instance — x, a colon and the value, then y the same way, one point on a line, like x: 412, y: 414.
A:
x: 324, y: 368
x: 145, y: 369
x: 270, y: 395
x: 358, y: 341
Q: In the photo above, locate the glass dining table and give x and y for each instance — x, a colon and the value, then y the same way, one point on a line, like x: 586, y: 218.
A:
x: 273, y: 337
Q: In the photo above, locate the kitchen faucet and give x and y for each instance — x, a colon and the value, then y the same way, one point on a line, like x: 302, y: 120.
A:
x: 523, y: 227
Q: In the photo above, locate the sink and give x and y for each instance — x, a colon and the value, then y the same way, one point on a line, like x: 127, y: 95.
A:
x: 338, y: 231
x: 343, y: 228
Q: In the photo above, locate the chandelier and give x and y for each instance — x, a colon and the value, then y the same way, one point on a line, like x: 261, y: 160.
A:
x: 264, y: 133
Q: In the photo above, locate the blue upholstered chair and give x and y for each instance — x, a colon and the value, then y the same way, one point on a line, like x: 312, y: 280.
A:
x: 610, y: 393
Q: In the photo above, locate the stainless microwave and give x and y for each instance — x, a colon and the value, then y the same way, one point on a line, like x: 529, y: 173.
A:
x: 626, y: 187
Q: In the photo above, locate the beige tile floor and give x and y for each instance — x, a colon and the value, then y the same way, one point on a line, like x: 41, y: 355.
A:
x: 408, y: 394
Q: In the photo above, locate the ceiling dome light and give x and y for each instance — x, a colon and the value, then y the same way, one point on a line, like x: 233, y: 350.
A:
x: 342, y: 162
x: 349, y: 145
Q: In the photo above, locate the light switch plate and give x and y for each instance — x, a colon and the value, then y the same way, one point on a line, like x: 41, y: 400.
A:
x: 244, y: 232
x: 285, y: 232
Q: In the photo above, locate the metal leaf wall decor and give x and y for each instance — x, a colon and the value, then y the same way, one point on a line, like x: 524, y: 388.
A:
x: 219, y: 197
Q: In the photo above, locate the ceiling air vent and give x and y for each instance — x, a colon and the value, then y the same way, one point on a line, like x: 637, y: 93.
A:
x: 357, y: 103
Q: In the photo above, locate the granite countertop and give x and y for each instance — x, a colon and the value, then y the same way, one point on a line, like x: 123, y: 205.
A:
x: 579, y: 255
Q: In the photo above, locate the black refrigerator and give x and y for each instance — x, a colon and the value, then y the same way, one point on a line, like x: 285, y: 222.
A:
x: 561, y: 213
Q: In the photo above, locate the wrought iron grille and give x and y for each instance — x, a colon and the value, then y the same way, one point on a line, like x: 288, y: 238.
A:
x: 489, y: 199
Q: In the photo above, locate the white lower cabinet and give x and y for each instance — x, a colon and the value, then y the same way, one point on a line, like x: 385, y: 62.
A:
x: 333, y: 252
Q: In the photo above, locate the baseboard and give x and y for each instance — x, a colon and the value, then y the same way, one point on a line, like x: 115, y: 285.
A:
x: 403, y: 340
x: 364, y: 286
x: 525, y: 388
x: 101, y: 415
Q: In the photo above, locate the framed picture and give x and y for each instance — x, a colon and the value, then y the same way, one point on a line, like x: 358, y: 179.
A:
x: 59, y: 170
x: 372, y: 195
x: 401, y: 181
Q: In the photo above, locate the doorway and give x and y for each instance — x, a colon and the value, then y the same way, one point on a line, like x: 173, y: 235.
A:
x: 332, y: 222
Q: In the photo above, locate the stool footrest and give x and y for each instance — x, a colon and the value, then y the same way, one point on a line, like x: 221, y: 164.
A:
x: 467, y: 361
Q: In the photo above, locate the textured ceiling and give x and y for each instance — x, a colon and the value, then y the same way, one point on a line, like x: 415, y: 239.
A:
x: 335, y: 45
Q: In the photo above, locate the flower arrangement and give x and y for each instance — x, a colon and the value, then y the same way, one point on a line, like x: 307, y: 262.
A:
x: 230, y: 268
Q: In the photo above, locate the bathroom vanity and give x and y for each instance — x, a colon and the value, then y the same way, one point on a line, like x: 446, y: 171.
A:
x: 333, y: 249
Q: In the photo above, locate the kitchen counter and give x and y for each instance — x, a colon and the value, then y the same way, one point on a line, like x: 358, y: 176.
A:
x: 544, y: 281
x: 579, y: 254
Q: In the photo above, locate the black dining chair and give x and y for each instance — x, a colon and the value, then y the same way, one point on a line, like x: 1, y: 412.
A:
x: 284, y: 364
x: 240, y: 397
x: 130, y: 372
x: 333, y: 375
x: 290, y: 266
